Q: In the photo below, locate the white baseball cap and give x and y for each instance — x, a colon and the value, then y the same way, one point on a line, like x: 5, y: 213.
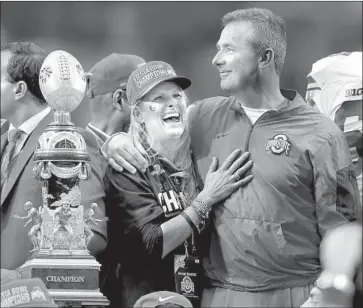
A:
x: 161, y: 297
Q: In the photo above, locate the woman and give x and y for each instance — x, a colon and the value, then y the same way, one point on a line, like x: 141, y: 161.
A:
x: 153, y: 213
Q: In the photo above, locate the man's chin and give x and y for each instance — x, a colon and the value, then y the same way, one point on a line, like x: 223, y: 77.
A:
x: 225, y: 86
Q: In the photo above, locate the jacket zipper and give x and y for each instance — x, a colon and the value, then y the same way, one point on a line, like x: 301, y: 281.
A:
x: 252, y: 127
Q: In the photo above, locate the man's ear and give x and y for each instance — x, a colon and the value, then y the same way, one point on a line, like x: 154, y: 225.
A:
x: 267, y: 57
x: 119, y: 99
x: 20, y: 89
x: 89, y: 92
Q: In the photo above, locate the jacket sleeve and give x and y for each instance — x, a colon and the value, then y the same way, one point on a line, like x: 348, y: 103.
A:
x: 93, y: 191
x: 335, y: 185
x: 135, y: 213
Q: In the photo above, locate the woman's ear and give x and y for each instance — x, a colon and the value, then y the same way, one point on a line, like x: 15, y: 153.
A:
x: 20, y: 89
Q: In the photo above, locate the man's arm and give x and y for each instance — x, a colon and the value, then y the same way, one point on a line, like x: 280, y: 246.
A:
x: 125, y: 154
x: 335, y: 184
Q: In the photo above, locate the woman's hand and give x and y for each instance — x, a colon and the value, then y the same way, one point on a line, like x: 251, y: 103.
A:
x: 223, y: 181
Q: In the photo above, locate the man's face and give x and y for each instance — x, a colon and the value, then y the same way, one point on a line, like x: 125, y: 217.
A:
x: 66, y: 205
x: 163, y: 110
x: 8, y: 105
x: 236, y: 60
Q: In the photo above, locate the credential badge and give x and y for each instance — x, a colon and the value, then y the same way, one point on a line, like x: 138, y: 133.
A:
x: 279, y: 144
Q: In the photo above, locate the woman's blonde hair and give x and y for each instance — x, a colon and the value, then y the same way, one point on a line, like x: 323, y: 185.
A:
x: 180, y: 158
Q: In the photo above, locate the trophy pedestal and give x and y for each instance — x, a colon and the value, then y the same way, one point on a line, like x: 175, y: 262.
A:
x: 72, y: 278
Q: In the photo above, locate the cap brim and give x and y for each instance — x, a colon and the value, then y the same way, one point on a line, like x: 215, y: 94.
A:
x: 181, y: 81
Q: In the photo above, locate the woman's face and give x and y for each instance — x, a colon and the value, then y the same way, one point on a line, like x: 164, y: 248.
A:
x: 163, y: 111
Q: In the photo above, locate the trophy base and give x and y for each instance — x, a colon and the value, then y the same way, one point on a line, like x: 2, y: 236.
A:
x: 71, y: 277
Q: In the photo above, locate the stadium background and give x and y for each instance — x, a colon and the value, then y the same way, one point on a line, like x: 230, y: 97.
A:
x: 181, y: 33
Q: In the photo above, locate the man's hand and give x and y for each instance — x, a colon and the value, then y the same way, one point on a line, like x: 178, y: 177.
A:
x: 9, y: 275
x: 123, y: 153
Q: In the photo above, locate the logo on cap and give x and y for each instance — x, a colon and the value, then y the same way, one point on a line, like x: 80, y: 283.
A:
x: 152, y: 72
x: 163, y: 299
x: 37, y: 294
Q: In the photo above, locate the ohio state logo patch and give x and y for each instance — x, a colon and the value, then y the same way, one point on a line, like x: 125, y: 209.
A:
x: 279, y: 144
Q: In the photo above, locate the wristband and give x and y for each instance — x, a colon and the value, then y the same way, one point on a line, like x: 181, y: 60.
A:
x: 201, y: 208
x: 189, y: 221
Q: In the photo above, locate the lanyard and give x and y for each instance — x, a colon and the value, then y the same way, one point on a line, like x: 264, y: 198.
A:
x: 158, y: 164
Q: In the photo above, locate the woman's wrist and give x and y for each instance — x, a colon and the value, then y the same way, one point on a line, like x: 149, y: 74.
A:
x: 201, y: 208
x: 205, y: 198
x: 191, y: 223
x: 197, y: 220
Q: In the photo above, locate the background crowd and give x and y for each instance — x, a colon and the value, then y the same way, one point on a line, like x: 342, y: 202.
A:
x: 181, y: 33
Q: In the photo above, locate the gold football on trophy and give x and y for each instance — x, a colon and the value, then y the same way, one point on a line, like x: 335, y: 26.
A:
x: 62, y: 81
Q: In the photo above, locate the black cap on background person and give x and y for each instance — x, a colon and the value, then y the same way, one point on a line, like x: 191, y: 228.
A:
x: 106, y: 92
x: 163, y: 299
x: 112, y: 73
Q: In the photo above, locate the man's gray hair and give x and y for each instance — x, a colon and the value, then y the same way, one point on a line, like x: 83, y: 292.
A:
x: 269, y: 29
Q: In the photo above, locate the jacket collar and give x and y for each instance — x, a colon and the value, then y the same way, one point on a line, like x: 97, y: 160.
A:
x: 293, y: 100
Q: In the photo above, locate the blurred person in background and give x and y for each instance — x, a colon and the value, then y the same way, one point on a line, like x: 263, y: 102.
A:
x: 340, y: 283
x: 152, y: 214
x: 106, y: 92
x: 335, y: 89
x: 265, y: 238
x: 23, y: 105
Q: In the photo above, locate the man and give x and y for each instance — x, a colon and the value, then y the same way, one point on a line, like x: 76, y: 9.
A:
x: 107, y: 94
x: 23, y: 105
x: 335, y: 88
x: 264, y: 249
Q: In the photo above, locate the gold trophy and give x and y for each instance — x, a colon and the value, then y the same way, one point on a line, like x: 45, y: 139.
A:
x: 61, y: 229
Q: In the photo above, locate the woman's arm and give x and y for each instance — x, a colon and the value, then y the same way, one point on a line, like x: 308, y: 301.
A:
x: 141, y: 208
x: 219, y: 184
